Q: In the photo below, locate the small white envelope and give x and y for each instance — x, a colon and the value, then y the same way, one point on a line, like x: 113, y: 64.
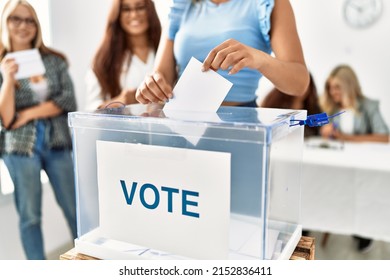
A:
x: 30, y: 63
x: 198, y: 91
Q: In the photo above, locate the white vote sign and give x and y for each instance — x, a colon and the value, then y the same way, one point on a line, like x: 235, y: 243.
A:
x: 169, y: 199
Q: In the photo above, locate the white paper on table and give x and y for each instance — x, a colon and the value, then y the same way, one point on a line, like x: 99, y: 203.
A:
x: 29, y: 62
x: 197, y: 90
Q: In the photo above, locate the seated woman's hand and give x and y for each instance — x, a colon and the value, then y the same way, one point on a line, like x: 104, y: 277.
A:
x: 327, y: 131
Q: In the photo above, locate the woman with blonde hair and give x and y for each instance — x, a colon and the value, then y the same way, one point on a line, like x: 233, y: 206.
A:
x: 33, y: 117
x: 125, y: 55
x: 362, y: 120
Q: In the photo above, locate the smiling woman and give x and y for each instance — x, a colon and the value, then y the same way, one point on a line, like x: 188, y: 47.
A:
x: 42, y: 9
x: 125, y: 55
x: 34, y: 122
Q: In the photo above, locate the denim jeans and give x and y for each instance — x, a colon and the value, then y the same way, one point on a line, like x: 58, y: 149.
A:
x: 25, y: 174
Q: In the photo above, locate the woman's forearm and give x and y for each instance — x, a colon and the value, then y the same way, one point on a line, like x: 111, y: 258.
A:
x: 44, y: 110
x: 289, y: 77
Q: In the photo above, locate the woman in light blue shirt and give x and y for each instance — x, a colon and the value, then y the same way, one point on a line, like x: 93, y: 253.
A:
x: 236, y: 38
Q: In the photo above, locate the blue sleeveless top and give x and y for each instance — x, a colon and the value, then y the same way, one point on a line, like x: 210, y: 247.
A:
x: 197, y: 28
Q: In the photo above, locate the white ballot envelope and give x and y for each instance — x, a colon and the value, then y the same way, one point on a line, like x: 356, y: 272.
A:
x: 198, y: 91
x: 30, y: 63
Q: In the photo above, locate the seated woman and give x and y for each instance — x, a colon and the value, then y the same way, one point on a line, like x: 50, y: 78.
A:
x: 362, y: 121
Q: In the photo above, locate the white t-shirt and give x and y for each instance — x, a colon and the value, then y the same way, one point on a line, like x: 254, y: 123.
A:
x: 131, y: 77
x: 347, y: 121
x: 41, y: 90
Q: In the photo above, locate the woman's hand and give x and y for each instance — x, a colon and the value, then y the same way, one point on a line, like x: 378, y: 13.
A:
x: 22, y: 118
x: 9, y: 68
x: 154, y: 89
x: 328, y: 131
x: 232, y: 55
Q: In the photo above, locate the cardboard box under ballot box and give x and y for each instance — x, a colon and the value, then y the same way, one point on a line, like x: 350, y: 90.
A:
x: 184, y: 185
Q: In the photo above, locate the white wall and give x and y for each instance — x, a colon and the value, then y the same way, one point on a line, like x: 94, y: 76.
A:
x: 328, y: 41
x: 77, y: 28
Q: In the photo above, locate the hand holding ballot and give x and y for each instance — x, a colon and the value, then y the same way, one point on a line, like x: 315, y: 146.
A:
x: 154, y: 89
x: 196, y: 90
x: 23, y: 64
x: 9, y: 68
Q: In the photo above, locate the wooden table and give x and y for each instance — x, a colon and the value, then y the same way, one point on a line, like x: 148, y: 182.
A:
x: 305, y: 250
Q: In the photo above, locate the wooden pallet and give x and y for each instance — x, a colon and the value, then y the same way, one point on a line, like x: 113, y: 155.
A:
x: 303, y: 251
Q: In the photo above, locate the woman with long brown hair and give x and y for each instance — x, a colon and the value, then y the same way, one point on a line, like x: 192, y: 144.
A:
x: 125, y: 55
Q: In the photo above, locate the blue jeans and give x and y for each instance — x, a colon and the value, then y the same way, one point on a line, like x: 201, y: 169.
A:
x: 25, y: 174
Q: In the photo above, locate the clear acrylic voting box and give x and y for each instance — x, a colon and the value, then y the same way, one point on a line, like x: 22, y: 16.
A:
x: 240, y: 192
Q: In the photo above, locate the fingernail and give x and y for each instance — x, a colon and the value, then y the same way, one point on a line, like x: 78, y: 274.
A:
x: 203, y: 69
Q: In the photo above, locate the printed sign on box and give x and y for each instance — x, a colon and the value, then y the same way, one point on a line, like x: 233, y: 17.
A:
x: 170, y: 199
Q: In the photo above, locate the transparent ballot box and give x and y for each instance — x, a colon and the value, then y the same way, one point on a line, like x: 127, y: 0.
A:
x: 187, y: 185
